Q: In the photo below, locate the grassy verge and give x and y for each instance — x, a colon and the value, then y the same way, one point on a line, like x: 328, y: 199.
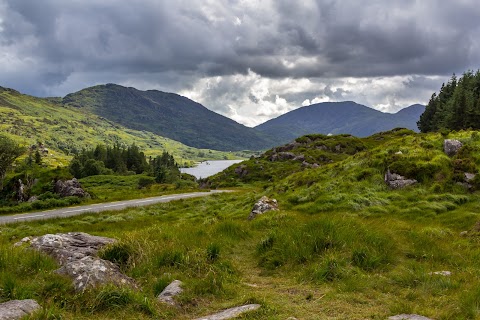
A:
x: 330, y: 265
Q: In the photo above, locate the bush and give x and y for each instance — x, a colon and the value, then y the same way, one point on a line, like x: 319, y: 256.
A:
x: 145, y: 182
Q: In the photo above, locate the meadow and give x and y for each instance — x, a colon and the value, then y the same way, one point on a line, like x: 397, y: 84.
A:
x: 342, y: 246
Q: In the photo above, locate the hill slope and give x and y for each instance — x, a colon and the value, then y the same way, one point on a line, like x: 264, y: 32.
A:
x: 343, y: 245
x: 64, y: 129
x: 168, y: 115
x: 338, y: 118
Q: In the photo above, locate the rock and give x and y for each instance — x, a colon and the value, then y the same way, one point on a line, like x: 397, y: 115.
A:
x: 280, y: 156
x: 399, y: 152
x: 263, y: 205
x: 408, y: 317
x: 32, y: 199
x: 20, y: 191
x: 396, y: 181
x: 300, y: 157
x: 66, y: 247
x: 241, y: 170
x: 468, y: 177
x: 463, y: 233
x: 17, y: 309
x: 338, y: 148
x: 92, y: 271
x: 76, y: 253
x: 231, y: 313
x: 288, y: 147
x: 70, y: 188
x: 23, y: 241
x: 451, y: 146
x: 170, y: 291
x: 305, y: 164
x: 441, y: 273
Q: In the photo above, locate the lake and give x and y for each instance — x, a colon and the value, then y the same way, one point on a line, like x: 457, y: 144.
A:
x: 209, y: 168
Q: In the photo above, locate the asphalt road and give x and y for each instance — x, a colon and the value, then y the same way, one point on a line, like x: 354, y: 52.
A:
x: 99, y: 207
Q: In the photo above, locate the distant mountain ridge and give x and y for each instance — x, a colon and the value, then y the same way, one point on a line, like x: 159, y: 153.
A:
x: 169, y: 115
x: 337, y: 118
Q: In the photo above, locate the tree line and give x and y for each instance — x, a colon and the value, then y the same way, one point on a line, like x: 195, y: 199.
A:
x: 455, y: 107
x: 118, y: 159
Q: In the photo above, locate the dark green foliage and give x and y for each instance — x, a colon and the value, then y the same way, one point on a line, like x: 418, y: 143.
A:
x: 456, y: 107
x: 38, y: 157
x: 107, y: 160
x: 145, y: 182
x: 9, y: 151
x: 165, y: 169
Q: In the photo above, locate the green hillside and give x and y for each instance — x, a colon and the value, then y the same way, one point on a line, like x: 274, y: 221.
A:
x: 168, y: 115
x: 342, y: 246
x: 346, y: 117
x: 64, y: 130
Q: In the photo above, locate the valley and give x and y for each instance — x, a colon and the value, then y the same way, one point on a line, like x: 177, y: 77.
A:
x: 350, y: 227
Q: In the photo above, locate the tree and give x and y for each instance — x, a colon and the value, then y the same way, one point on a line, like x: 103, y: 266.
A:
x: 9, y: 151
x: 38, y: 157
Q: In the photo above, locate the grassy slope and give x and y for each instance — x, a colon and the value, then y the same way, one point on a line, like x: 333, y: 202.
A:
x: 343, y: 245
x: 63, y: 129
x: 168, y: 115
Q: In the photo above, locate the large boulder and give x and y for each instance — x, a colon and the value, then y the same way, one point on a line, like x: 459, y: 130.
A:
x: 263, y: 205
x: 70, y: 188
x: 66, y: 247
x: 241, y: 170
x: 451, y: 146
x: 281, y: 156
x: 231, y: 313
x: 170, y: 291
x: 76, y: 252
x: 17, y: 309
x: 92, y: 271
x: 396, y: 181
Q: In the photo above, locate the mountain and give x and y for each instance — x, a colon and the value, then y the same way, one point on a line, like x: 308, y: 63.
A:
x: 337, y: 118
x: 169, y: 115
x: 65, y: 130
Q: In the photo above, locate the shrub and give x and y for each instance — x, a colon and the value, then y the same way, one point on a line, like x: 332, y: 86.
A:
x: 145, y: 182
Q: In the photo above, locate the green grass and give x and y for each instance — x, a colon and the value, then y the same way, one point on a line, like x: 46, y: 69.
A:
x: 342, y: 246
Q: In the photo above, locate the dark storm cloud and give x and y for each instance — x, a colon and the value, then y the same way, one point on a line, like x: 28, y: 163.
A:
x: 57, y: 46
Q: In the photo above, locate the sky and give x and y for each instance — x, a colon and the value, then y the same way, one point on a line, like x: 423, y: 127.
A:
x: 250, y: 60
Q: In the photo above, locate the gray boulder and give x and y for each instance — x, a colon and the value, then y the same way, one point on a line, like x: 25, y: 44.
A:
x: 451, y: 146
x: 76, y: 252
x: 263, y: 205
x: 170, y: 291
x: 92, y: 271
x: 231, y: 313
x: 17, y: 309
x: 70, y: 188
x: 396, y: 181
x: 408, y: 317
x: 241, y: 170
x: 66, y: 247
x: 20, y: 191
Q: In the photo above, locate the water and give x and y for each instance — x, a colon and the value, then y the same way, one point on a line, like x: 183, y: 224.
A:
x: 209, y: 168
